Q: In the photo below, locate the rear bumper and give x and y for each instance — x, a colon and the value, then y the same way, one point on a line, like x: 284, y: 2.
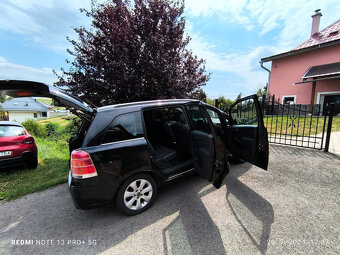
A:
x: 86, y: 198
x: 90, y: 196
x: 15, y: 161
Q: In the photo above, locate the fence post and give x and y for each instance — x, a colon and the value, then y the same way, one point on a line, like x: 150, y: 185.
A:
x: 329, y: 127
x: 263, y: 102
x: 216, y: 103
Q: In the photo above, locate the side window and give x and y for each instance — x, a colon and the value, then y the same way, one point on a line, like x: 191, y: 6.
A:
x: 244, y: 113
x: 214, y: 117
x: 199, y: 121
x: 124, y: 127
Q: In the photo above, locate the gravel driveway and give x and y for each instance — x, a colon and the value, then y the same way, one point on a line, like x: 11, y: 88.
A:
x: 292, y: 208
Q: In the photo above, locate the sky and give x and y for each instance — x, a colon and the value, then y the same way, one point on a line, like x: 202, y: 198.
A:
x: 232, y: 36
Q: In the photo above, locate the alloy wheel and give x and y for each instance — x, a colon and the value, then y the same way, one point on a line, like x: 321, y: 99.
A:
x: 138, y: 194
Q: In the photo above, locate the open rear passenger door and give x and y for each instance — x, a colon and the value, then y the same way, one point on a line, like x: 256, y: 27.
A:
x: 247, y: 136
x: 207, y: 148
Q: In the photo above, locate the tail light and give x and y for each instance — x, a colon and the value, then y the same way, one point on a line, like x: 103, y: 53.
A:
x: 82, y: 165
x: 28, y: 140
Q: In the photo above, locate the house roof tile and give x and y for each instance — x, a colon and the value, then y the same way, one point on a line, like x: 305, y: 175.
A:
x: 24, y: 104
x: 330, y: 33
x: 326, y: 37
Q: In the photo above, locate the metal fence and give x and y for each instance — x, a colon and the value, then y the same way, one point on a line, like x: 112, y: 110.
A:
x: 294, y: 124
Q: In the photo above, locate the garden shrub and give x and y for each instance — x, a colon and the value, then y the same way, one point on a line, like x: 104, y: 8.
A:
x: 72, y: 127
x: 53, y: 129
x: 35, y: 128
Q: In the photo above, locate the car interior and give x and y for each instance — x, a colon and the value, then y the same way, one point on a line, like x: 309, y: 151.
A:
x: 168, y: 136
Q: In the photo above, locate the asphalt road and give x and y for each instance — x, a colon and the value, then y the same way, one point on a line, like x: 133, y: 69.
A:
x: 292, y: 208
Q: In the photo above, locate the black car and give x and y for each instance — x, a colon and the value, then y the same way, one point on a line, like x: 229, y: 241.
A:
x: 122, y: 153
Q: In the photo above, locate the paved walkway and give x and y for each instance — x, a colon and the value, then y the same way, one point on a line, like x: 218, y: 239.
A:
x: 293, y: 208
x: 334, y: 145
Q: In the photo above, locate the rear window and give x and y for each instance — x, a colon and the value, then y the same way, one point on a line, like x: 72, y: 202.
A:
x: 124, y: 127
x: 7, y: 131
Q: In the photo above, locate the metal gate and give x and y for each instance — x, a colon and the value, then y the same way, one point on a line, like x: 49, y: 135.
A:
x: 296, y: 124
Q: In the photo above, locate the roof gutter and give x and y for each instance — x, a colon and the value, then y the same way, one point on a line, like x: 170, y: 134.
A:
x: 269, y: 72
x: 265, y: 68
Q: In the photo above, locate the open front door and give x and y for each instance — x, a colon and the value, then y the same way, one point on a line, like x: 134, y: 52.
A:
x: 15, y: 88
x: 206, y: 147
x: 247, y: 136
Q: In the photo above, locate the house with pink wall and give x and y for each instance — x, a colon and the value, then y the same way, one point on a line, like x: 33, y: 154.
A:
x: 309, y: 73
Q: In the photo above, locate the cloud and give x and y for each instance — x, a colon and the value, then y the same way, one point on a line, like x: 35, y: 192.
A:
x: 37, y: 39
x: 288, y: 24
x: 244, y: 65
x: 10, y: 70
x: 48, y: 20
x: 228, y: 11
x: 291, y: 17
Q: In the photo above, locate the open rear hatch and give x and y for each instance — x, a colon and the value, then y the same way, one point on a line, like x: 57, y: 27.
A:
x: 18, y: 88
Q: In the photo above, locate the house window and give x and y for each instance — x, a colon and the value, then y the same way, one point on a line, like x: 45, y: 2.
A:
x: 44, y: 114
x: 35, y: 115
x: 289, y: 99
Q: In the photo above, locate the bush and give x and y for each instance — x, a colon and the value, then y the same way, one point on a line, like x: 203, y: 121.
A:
x: 72, y: 127
x: 53, y: 129
x: 35, y: 128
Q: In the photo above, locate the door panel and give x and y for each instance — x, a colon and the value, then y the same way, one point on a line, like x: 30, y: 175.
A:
x: 203, y: 150
x: 247, y: 136
x: 208, y: 148
x: 243, y: 141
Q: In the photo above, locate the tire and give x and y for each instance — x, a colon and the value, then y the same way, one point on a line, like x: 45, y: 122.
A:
x: 32, y: 163
x: 136, y: 194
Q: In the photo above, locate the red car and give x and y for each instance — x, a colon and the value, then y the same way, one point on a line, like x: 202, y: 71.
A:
x: 17, y: 146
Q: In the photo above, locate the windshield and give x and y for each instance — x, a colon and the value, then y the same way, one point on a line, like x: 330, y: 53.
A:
x: 7, y: 131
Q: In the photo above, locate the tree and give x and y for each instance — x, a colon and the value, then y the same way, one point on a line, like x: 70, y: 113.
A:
x: 201, y: 95
x: 261, y: 90
x: 239, y: 96
x: 224, y: 103
x: 2, y: 98
x: 134, y: 51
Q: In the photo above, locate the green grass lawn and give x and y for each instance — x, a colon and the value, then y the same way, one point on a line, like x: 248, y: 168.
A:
x: 52, y: 170
x: 45, y: 100
x: 49, y: 101
x: 62, y: 120
x: 299, y: 126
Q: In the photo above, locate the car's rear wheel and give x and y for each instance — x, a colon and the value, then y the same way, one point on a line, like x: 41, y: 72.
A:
x: 32, y: 163
x: 136, y: 194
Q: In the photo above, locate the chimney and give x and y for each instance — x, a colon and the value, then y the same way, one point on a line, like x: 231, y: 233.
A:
x: 316, y: 22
